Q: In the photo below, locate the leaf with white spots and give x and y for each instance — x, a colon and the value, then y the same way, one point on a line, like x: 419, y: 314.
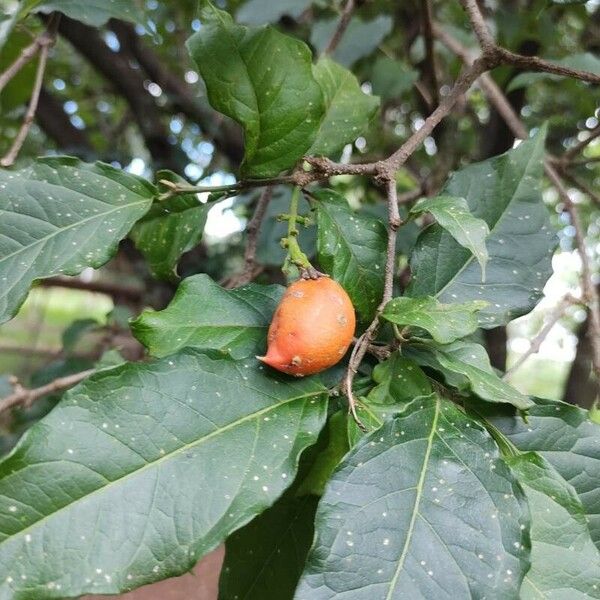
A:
x: 262, y: 79
x: 564, y: 561
x: 564, y: 435
x: 399, y: 380
x: 351, y: 248
x: 454, y: 216
x: 144, y: 468
x: 422, y: 508
x: 505, y: 192
x: 469, y: 360
x: 169, y: 229
x: 92, y: 12
x: 445, y: 322
x: 204, y: 315
x: 348, y: 110
x: 59, y: 216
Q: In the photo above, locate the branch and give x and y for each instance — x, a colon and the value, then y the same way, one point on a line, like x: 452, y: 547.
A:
x: 497, y: 98
x: 486, y: 41
x: 342, y: 25
x: 536, y: 343
x: 26, y: 55
x: 577, y: 148
x: 365, y: 341
x: 26, y: 397
x: 111, y: 289
x: 45, y: 41
x: 582, y: 185
x: 252, y: 230
x: 427, y: 21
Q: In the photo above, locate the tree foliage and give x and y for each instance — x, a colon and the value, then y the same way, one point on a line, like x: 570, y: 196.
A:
x: 314, y: 124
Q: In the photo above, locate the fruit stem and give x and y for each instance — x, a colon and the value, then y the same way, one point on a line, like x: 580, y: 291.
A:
x: 295, y: 254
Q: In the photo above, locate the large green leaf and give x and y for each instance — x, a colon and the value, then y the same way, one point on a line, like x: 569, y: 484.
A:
x: 360, y: 39
x: 567, y: 439
x: 204, y: 315
x: 170, y: 228
x: 422, y: 508
x: 59, y: 216
x: 564, y: 561
x: 505, y: 192
x: 348, y: 109
x: 470, y: 360
x: 454, y: 216
x: 264, y: 559
x: 351, y: 248
x: 263, y: 80
x: 92, y: 12
x: 399, y: 380
x: 445, y: 322
x: 146, y: 467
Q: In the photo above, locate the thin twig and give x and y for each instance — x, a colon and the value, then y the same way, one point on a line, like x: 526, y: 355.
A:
x: 427, y: 19
x: 252, y: 231
x: 45, y: 41
x: 26, y: 397
x: 582, y: 185
x: 24, y: 57
x: 486, y: 41
x: 577, y: 148
x: 555, y: 315
x: 342, y: 25
x: 366, y: 340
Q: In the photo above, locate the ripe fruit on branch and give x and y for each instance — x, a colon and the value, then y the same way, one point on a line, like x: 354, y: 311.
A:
x: 311, y: 329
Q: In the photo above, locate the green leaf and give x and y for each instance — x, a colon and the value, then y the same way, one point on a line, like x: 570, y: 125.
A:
x: 421, y: 508
x: 257, y: 12
x: 471, y: 361
x: 399, y: 380
x: 360, y: 39
x: 391, y: 79
x: 204, y: 315
x: 584, y: 61
x: 169, y: 229
x: 165, y: 460
x: 454, y: 216
x: 264, y: 559
x: 329, y: 458
x: 348, y: 109
x: 505, y: 192
x: 59, y: 216
x: 92, y: 12
x: 567, y: 439
x: 564, y: 561
x: 445, y: 322
x: 263, y: 80
x: 351, y: 248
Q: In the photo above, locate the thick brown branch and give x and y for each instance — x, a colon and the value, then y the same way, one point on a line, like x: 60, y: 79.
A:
x: 26, y: 397
x: 480, y: 28
x: 123, y: 291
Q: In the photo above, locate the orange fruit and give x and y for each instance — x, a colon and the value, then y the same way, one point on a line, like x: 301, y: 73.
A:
x: 311, y: 329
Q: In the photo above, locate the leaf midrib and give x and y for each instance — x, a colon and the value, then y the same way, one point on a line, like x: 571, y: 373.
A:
x: 415, y: 512
x: 162, y: 459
